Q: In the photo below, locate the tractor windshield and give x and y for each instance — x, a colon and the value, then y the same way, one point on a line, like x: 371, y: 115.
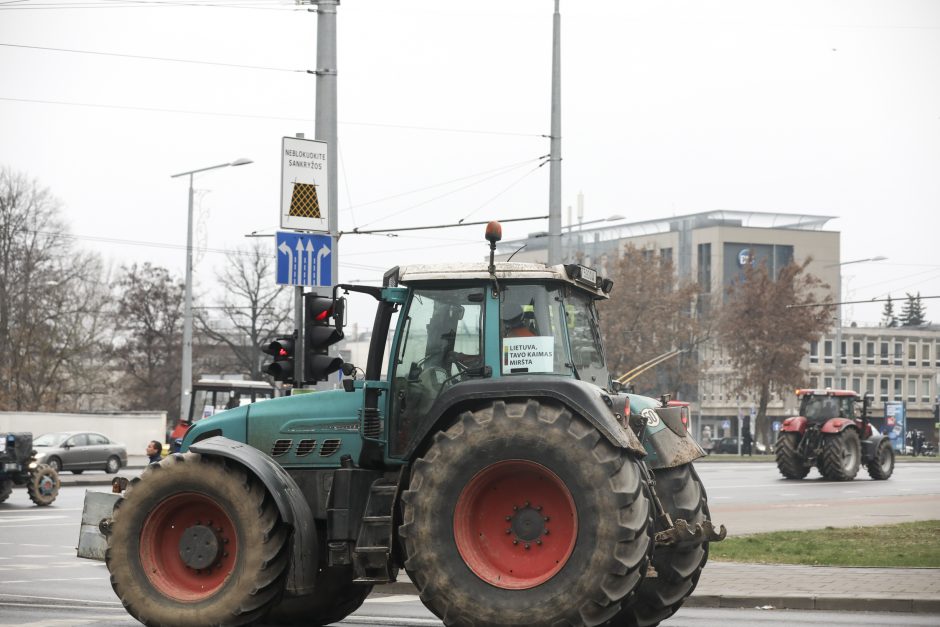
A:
x: 544, y: 330
x: 826, y: 407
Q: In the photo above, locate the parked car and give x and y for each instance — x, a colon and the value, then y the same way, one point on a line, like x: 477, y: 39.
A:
x: 730, y: 445
x: 78, y: 451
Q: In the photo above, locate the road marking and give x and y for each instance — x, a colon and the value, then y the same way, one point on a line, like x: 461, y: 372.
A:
x: 43, y: 546
x: 6, y: 519
x: 12, y: 581
x: 66, y: 600
x: 395, y: 598
x: 388, y: 620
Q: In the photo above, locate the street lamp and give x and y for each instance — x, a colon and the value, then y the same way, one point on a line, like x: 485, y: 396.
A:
x: 838, y: 353
x: 187, y: 376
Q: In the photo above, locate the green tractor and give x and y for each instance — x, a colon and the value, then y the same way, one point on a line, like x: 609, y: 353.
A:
x: 497, y: 463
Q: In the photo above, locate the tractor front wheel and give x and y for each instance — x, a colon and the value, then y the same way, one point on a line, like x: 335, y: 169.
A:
x: 841, y: 455
x: 43, y: 485
x: 197, y: 541
x: 524, y: 514
x: 789, y: 461
x: 677, y: 568
x: 881, y: 466
x: 334, y: 596
x: 6, y: 489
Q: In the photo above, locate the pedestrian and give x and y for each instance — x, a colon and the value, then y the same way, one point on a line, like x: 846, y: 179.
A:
x: 746, y: 440
x: 154, y: 451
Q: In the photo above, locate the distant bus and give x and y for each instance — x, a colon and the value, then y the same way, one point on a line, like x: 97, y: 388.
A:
x: 211, y: 396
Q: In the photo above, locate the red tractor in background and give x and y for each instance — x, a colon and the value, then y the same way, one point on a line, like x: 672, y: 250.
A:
x: 832, y: 436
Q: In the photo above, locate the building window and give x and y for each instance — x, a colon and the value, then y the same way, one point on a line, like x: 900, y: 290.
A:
x: 665, y: 256
x: 925, y: 355
x: 814, y: 352
x: 856, y: 352
x: 884, y: 390
x: 705, y: 267
x: 898, y: 392
x: 827, y: 350
x: 911, y: 353
x: 870, y: 386
x: 898, y: 353
x: 827, y: 382
x: 857, y: 385
x: 884, y: 353
x: 841, y: 384
x: 842, y: 352
x: 925, y: 390
x: 870, y: 352
x: 813, y: 382
x: 912, y: 390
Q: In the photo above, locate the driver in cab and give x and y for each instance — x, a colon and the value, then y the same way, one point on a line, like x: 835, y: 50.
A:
x: 516, y: 320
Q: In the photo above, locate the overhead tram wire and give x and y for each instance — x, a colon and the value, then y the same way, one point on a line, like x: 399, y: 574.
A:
x: 438, y: 197
x: 149, y: 58
x: 258, y: 5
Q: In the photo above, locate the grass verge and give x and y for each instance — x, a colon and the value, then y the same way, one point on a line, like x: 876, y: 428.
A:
x: 905, y: 545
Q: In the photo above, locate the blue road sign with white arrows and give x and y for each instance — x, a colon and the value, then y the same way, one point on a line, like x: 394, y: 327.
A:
x: 304, y: 259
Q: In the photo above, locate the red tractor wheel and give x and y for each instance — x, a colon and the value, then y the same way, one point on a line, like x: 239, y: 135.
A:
x: 524, y: 514
x: 197, y: 541
x: 841, y: 455
x: 789, y: 461
x: 530, y: 509
x: 43, y: 485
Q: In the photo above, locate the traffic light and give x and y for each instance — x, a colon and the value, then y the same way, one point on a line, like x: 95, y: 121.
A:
x: 322, y: 328
x: 282, y: 368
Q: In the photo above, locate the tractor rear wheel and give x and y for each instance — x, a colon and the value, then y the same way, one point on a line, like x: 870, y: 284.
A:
x: 6, y: 489
x: 197, y: 541
x: 524, y: 514
x: 334, y: 596
x: 841, y: 455
x: 43, y: 485
x: 881, y: 466
x: 678, y: 568
x: 789, y: 461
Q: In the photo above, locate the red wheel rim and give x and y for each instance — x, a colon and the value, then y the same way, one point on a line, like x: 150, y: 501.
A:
x: 515, y: 524
x: 174, y: 525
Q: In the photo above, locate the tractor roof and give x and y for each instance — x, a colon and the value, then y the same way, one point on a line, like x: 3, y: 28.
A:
x: 825, y: 392
x: 505, y: 271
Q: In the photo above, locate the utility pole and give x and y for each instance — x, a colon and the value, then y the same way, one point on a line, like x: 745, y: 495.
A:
x: 554, y: 174
x: 325, y: 121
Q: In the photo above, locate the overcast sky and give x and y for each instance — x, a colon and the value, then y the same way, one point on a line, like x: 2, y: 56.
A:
x: 820, y: 107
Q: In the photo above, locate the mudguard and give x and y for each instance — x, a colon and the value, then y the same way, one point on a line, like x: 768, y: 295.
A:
x: 665, y: 438
x: 795, y: 424
x: 287, y: 497
x: 870, y: 445
x: 837, y: 425
x: 584, y: 399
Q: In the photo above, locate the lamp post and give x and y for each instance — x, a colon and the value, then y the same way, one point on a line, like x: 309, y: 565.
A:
x: 186, y: 381
x: 837, y: 353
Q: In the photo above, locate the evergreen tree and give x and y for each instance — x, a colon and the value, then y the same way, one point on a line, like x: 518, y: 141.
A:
x: 888, y: 319
x: 913, y: 313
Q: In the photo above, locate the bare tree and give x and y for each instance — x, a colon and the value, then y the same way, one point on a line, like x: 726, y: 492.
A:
x: 648, y: 315
x: 148, y: 348
x: 765, y: 326
x: 52, y: 303
x: 253, y: 309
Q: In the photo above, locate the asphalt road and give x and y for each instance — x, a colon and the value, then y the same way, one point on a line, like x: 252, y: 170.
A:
x: 43, y: 583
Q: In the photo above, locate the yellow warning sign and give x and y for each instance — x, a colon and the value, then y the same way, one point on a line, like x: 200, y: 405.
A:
x: 303, y: 201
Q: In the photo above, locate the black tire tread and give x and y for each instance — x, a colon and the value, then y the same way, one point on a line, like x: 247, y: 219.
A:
x: 249, y: 595
x: 833, y: 452
x: 678, y: 569
x: 6, y: 489
x: 875, y: 471
x: 32, y: 485
x: 615, y: 573
x: 789, y: 461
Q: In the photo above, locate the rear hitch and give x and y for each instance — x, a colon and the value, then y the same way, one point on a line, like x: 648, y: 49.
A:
x: 682, y: 534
